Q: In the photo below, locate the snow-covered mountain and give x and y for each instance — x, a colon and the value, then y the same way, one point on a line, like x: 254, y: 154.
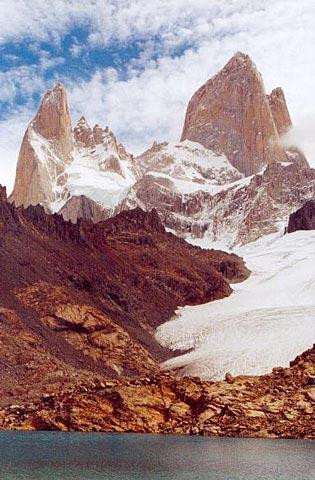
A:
x: 266, y: 322
x: 85, y: 173
x: 66, y: 170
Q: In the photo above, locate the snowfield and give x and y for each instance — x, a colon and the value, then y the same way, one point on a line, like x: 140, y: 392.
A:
x: 267, y: 321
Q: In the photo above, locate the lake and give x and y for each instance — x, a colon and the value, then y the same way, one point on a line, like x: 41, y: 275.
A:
x: 85, y: 456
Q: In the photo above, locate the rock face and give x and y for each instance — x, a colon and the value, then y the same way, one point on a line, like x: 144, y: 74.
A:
x: 283, y: 124
x: 45, y: 152
x: 266, y: 201
x: 231, y: 214
x: 178, y: 179
x: 303, y: 219
x: 278, y: 405
x: 232, y: 115
x: 53, y: 121
x: 279, y: 111
x: 79, y: 206
x: 56, y: 163
x: 86, y: 299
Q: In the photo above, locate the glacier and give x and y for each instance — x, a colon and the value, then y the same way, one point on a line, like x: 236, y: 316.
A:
x: 267, y: 321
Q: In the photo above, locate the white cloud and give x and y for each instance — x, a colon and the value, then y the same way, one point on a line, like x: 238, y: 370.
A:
x: 303, y: 135
x: 150, y: 104
x: 12, y: 131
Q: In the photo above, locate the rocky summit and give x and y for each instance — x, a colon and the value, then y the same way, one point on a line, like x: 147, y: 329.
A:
x: 232, y: 115
x: 59, y: 165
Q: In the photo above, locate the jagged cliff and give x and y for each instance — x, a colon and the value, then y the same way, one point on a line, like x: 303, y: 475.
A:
x: 232, y: 115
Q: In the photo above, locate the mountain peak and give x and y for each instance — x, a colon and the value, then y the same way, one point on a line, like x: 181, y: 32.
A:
x: 279, y: 110
x: 45, y: 151
x: 82, y: 133
x: 232, y: 115
x: 53, y: 121
x: 57, y: 95
x: 3, y: 194
x: 240, y: 58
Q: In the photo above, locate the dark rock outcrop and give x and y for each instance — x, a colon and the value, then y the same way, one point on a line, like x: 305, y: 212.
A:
x: 303, y: 219
x: 3, y: 194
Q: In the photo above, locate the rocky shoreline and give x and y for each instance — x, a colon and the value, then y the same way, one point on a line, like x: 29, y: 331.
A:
x: 280, y: 404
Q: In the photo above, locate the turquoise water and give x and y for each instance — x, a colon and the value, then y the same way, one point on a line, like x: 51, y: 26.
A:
x: 84, y: 456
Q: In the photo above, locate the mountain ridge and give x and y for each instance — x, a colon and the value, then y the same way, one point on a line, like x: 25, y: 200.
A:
x: 87, y: 297
x: 186, y: 182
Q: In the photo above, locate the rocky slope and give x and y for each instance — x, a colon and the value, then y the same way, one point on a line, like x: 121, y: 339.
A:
x: 232, y: 115
x: 303, y: 219
x: 280, y: 404
x: 85, y: 299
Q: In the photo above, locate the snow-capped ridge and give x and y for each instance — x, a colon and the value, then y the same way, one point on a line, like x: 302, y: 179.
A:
x: 56, y: 162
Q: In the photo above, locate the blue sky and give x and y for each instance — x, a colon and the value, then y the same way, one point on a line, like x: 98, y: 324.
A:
x: 66, y: 61
x: 133, y: 64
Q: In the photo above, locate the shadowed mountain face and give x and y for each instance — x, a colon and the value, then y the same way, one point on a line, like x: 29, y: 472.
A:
x: 87, y: 298
x: 303, y: 218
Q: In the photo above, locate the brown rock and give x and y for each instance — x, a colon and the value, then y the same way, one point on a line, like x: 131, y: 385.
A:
x: 229, y: 378
x: 310, y: 393
x: 303, y: 218
x: 45, y: 151
x: 79, y: 206
x: 279, y: 110
x: 232, y: 114
x: 163, y: 404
